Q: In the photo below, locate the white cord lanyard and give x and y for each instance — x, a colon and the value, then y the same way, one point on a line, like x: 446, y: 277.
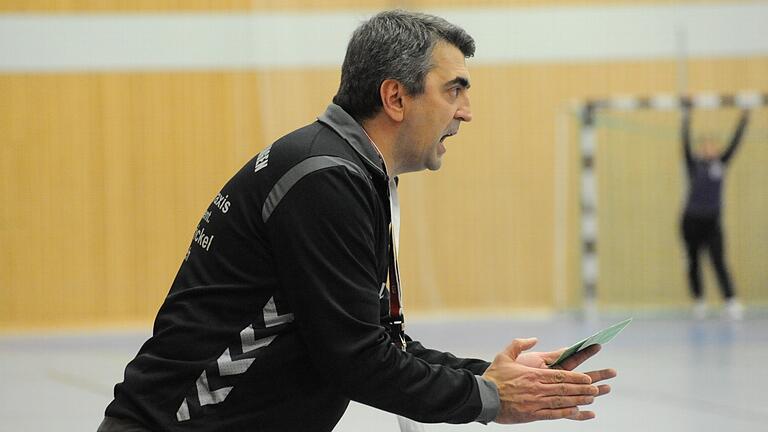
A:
x: 395, y: 294
x: 395, y: 291
x: 394, y: 207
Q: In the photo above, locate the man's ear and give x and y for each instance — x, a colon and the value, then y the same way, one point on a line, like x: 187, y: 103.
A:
x: 392, y: 93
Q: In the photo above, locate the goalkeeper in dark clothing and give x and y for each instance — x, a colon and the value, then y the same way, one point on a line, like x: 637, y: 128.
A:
x: 701, y: 225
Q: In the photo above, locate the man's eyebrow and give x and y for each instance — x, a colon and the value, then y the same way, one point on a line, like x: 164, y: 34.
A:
x: 460, y: 81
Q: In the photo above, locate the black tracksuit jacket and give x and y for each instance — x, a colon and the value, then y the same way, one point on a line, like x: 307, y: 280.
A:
x: 275, y: 320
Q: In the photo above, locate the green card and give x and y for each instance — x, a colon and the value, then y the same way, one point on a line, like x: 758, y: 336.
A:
x: 602, y: 337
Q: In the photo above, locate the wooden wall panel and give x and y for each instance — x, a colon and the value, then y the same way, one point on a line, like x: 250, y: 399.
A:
x: 121, y: 5
x: 292, y: 98
x: 110, y: 173
x: 240, y: 5
x: 747, y: 213
x: 106, y: 174
x: 486, y: 218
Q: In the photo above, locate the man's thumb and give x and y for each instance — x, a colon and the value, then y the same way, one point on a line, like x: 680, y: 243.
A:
x: 519, y: 345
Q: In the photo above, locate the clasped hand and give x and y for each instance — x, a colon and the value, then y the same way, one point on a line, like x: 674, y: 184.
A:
x: 529, y: 390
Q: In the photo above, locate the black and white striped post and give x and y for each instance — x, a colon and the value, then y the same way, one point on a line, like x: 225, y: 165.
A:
x: 588, y: 112
x: 589, y: 269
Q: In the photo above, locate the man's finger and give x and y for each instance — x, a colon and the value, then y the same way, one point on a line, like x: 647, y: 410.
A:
x: 577, y: 390
x: 552, y: 356
x: 555, y: 402
x: 603, y: 389
x: 519, y: 345
x: 557, y: 376
x: 554, y: 414
x: 602, y: 374
x: 580, y: 357
x: 582, y: 415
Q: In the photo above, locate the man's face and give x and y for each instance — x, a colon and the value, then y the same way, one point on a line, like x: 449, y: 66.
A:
x: 435, y: 114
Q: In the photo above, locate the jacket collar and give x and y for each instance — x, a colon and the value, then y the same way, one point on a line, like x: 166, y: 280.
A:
x: 343, y: 124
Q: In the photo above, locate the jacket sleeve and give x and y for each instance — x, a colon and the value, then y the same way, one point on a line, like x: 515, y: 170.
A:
x: 446, y: 359
x: 736, y: 138
x: 323, y: 237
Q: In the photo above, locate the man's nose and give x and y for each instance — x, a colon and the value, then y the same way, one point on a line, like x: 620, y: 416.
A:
x: 464, y: 113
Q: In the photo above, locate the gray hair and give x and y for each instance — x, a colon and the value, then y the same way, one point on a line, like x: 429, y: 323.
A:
x: 395, y: 45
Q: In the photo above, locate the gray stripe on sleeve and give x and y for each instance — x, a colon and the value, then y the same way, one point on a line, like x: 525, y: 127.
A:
x: 303, y: 168
x: 489, y: 396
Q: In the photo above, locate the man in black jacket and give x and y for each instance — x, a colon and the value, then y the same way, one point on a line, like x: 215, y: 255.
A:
x: 287, y: 304
x: 701, y: 225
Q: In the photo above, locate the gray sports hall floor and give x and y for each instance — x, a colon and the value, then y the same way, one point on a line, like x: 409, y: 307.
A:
x: 674, y: 374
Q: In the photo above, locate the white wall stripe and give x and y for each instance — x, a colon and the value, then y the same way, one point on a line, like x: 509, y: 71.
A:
x: 170, y: 41
x: 141, y: 41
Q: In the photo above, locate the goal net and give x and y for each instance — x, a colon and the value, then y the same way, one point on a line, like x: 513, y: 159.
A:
x: 632, y: 192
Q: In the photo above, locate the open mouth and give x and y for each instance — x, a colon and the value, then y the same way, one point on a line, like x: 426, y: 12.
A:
x: 449, y: 134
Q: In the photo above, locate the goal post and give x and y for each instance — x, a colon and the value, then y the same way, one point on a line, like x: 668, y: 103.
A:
x: 591, y: 131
